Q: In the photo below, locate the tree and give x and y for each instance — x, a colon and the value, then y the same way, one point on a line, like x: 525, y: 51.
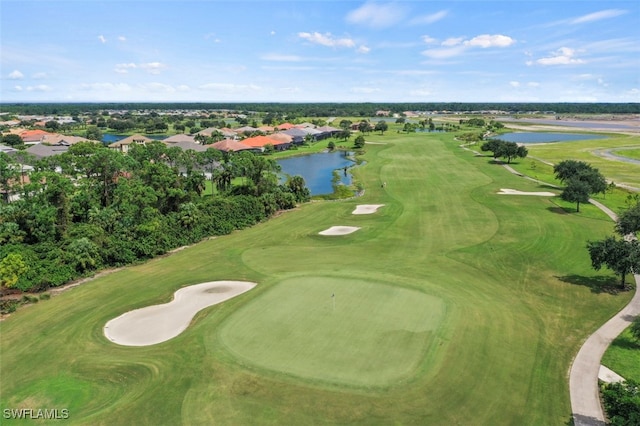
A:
x: 364, y: 126
x: 52, y: 125
x: 84, y: 254
x: 331, y: 145
x: 345, y: 124
x: 12, y: 266
x: 581, y: 181
x: 621, y: 401
x: 492, y: 145
x: 297, y: 186
x: 619, y: 255
x: 93, y: 133
x: 359, y: 142
x: 381, y: 126
x: 12, y: 139
x: 577, y: 192
x: 629, y: 221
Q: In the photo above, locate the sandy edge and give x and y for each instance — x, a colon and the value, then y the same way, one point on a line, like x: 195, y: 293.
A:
x: 158, y: 323
x: 366, y: 208
x: 508, y: 191
x: 339, y: 230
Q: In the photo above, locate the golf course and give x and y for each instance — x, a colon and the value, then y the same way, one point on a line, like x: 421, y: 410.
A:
x: 451, y: 304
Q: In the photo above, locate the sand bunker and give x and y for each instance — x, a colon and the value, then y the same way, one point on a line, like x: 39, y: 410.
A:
x: 507, y: 191
x: 158, y: 323
x: 339, y: 230
x: 367, y: 208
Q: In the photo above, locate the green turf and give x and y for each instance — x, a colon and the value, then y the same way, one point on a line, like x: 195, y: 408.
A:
x: 336, y: 329
x: 623, y: 356
x: 512, y: 271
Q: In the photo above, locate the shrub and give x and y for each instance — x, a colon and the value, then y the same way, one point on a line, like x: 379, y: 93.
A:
x: 622, y: 403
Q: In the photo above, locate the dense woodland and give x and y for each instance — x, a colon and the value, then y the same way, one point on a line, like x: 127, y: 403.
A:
x: 94, y: 207
x: 327, y: 109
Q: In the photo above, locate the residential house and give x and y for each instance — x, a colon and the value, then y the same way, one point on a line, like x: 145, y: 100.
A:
x: 124, y: 144
x: 179, y: 139
x: 230, y: 145
x: 259, y: 142
x: 32, y: 137
x: 41, y: 151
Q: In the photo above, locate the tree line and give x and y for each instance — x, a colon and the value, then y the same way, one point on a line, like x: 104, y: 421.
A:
x: 328, y: 109
x: 93, y: 207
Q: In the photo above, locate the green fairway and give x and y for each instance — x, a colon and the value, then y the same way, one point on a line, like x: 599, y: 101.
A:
x: 336, y: 329
x: 453, y: 306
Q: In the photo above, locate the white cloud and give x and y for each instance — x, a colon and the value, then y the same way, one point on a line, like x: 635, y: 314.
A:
x: 514, y: 83
x: 429, y: 40
x: 455, y: 46
x: 122, y: 38
x: 453, y: 41
x: 231, y: 88
x: 106, y: 87
x: 365, y: 90
x: 533, y: 84
x: 272, y: 33
x: 39, y: 88
x: 444, y: 53
x: 102, y: 39
x: 151, y: 67
x: 124, y: 68
x: 429, y: 19
x: 562, y: 56
x: 597, y: 16
x: 377, y: 15
x: 363, y: 49
x: 16, y: 75
x: 183, y: 88
x: 486, y: 40
x: 158, y: 87
x: 420, y: 92
x: 327, y: 39
x: 276, y: 57
x: 17, y: 88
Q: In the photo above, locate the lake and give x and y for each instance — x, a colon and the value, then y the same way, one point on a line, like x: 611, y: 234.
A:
x: 317, y: 169
x: 534, y: 137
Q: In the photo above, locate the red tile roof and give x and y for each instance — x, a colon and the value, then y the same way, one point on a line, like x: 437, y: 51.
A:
x: 285, y: 126
x: 261, y: 141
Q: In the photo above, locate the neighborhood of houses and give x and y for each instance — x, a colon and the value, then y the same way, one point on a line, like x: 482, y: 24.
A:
x: 43, y: 144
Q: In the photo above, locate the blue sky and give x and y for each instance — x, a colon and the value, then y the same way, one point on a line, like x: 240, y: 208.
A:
x: 320, y: 51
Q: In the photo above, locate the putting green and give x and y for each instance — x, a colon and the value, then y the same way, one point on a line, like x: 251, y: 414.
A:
x: 337, y: 330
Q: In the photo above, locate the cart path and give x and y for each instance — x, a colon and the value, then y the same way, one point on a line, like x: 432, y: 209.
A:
x: 583, y: 378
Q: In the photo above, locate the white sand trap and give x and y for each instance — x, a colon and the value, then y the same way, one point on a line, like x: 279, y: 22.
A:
x: 507, y: 191
x: 158, y: 323
x: 367, y: 208
x: 339, y: 230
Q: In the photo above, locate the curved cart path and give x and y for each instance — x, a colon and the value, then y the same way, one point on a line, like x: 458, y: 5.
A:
x: 583, y: 378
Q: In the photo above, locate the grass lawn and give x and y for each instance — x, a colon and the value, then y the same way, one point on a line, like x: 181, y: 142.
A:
x: 336, y: 329
x: 584, y: 150
x: 623, y: 356
x: 454, y: 305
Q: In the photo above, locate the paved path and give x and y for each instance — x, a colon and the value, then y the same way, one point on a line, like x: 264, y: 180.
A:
x: 583, y: 378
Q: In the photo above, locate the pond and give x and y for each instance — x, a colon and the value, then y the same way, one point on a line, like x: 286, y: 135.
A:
x: 534, y: 137
x: 317, y: 169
